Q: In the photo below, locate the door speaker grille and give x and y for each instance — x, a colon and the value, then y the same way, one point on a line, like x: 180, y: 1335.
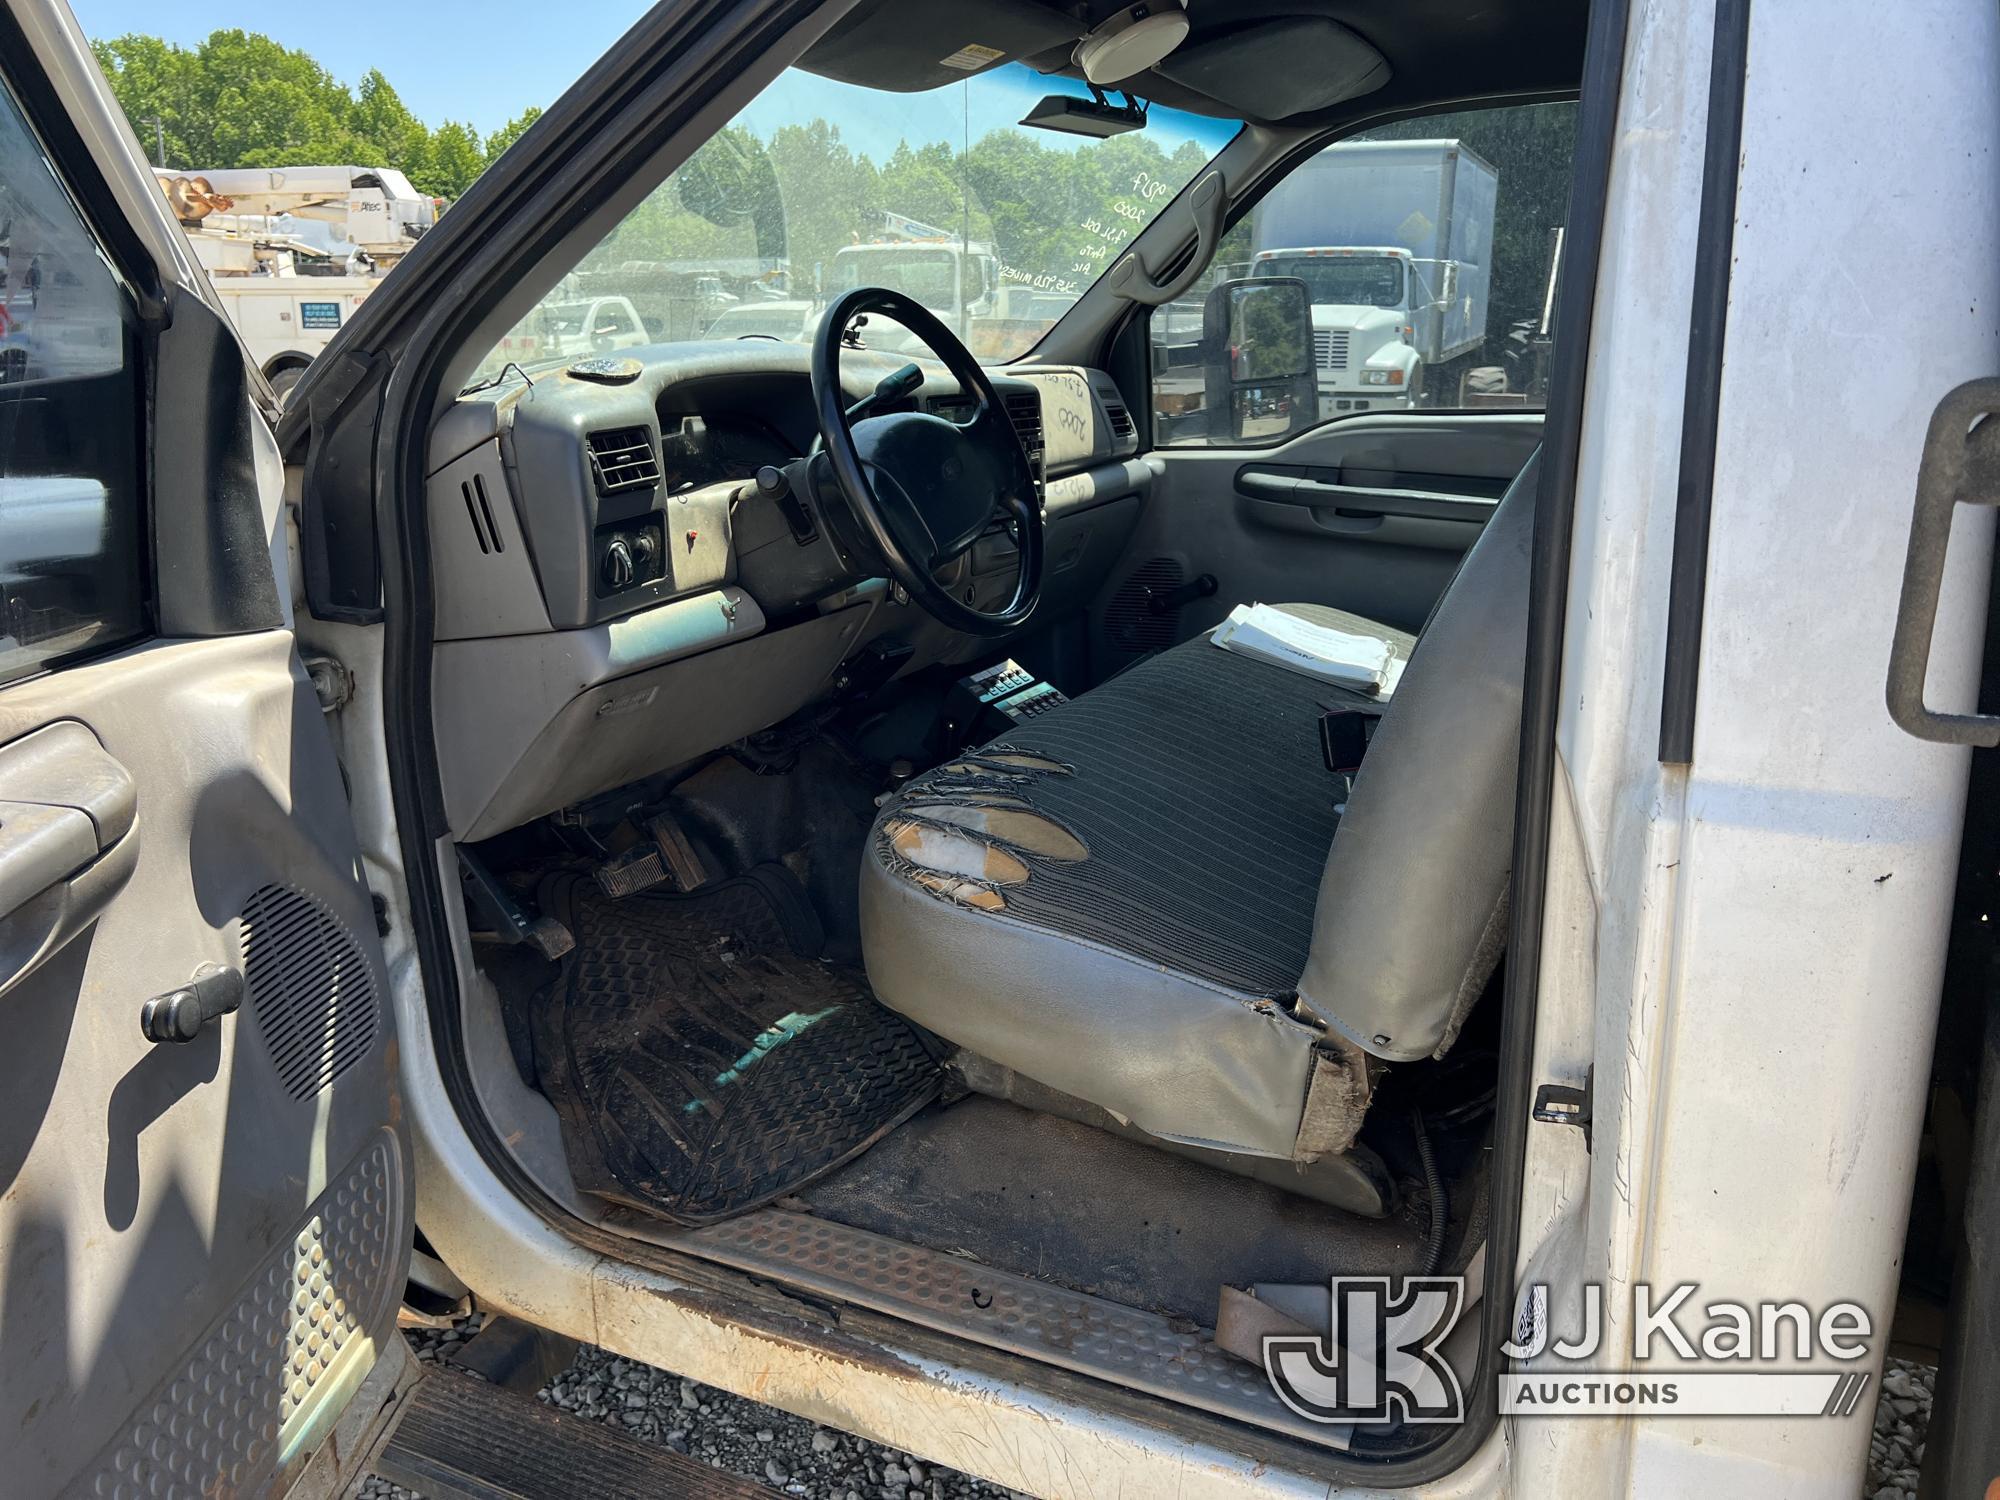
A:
x: 1129, y: 624
x: 310, y: 988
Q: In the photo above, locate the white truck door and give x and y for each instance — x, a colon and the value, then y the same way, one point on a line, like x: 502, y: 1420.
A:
x: 205, y: 1209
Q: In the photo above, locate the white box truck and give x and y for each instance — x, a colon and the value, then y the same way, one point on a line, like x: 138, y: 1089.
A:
x: 1394, y: 240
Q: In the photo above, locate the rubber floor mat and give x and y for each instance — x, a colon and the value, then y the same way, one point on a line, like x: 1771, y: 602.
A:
x: 702, y: 1060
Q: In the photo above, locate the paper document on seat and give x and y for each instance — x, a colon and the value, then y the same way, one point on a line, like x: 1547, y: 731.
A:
x: 1338, y: 656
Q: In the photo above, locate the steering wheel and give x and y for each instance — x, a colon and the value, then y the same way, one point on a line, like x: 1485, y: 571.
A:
x: 924, y: 489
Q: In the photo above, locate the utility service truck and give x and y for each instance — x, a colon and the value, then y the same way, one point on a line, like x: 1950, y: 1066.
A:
x: 955, y: 277
x: 293, y: 251
x: 1394, y: 242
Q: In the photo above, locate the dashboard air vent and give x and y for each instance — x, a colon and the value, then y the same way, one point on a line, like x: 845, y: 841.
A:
x: 1121, y: 420
x: 1024, y: 410
x: 622, y: 458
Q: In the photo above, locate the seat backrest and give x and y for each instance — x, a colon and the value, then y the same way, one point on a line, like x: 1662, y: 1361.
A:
x: 1412, y: 908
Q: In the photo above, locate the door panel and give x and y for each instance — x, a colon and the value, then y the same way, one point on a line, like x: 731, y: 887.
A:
x: 204, y: 1199
x: 201, y: 1244
x: 1370, y: 514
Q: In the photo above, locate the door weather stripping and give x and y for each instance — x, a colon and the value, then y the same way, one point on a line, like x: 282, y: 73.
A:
x: 1694, y: 499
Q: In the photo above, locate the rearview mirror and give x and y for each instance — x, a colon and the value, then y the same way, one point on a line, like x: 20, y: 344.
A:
x: 1257, y: 359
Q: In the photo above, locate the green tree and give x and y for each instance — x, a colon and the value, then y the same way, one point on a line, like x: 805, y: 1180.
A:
x: 511, y: 132
x: 451, y: 159
x: 394, y: 137
x: 238, y: 99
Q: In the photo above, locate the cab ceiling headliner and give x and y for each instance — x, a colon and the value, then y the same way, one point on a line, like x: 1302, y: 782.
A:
x: 1435, y: 50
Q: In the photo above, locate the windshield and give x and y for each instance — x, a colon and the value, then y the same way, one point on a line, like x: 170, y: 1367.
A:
x: 819, y: 187
x: 931, y: 276
x: 1341, y: 280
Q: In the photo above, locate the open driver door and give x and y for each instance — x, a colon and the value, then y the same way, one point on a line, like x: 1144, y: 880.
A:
x: 205, y: 1205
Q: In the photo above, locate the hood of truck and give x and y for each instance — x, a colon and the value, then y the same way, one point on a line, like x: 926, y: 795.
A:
x: 1346, y: 337
x: 1358, y: 319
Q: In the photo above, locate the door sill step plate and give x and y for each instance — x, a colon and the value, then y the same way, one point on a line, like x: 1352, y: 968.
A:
x: 1088, y: 1335
x: 458, y: 1438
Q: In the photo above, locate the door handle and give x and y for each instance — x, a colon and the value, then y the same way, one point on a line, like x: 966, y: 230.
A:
x: 40, y: 847
x: 1961, y: 465
x: 68, y: 841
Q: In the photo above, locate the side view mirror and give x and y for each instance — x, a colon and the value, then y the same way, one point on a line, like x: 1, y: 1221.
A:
x: 1257, y: 359
x: 1450, y: 283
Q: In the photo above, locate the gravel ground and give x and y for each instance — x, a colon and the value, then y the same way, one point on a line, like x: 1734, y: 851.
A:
x: 797, y: 1457
x: 1902, y: 1413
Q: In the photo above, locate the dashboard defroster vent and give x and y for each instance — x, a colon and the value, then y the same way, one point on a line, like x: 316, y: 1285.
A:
x: 623, y: 458
x: 1024, y: 410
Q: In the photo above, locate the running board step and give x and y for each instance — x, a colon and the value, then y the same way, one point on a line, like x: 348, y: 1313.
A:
x: 461, y: 1439
x: 1088, y: 1335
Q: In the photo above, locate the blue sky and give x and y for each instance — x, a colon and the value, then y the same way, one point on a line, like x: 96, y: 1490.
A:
x: 449, y: 59
x: 873, y: 121
x: 484, y: 61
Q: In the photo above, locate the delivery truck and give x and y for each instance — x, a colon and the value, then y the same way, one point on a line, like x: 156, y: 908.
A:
x: 1394, y: 240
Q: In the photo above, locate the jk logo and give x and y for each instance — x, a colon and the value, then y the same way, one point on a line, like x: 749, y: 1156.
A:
x: 1379, y: 1360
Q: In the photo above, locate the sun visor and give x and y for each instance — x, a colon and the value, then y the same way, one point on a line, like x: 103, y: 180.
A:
x: 906, y: 49
x: 1255, y: 72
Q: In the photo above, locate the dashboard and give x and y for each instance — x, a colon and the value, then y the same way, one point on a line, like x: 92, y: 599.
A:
x: 696, y: 451
x: 617, y: 592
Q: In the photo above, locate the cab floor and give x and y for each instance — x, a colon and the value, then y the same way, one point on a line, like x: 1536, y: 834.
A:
x: 1077, y: 1207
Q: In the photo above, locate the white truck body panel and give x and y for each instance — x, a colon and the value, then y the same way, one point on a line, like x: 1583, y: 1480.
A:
x: 1750, y: 951
x: 287, y: 319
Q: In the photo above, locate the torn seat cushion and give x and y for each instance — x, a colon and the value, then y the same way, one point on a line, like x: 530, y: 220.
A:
x: 1118, y: 899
